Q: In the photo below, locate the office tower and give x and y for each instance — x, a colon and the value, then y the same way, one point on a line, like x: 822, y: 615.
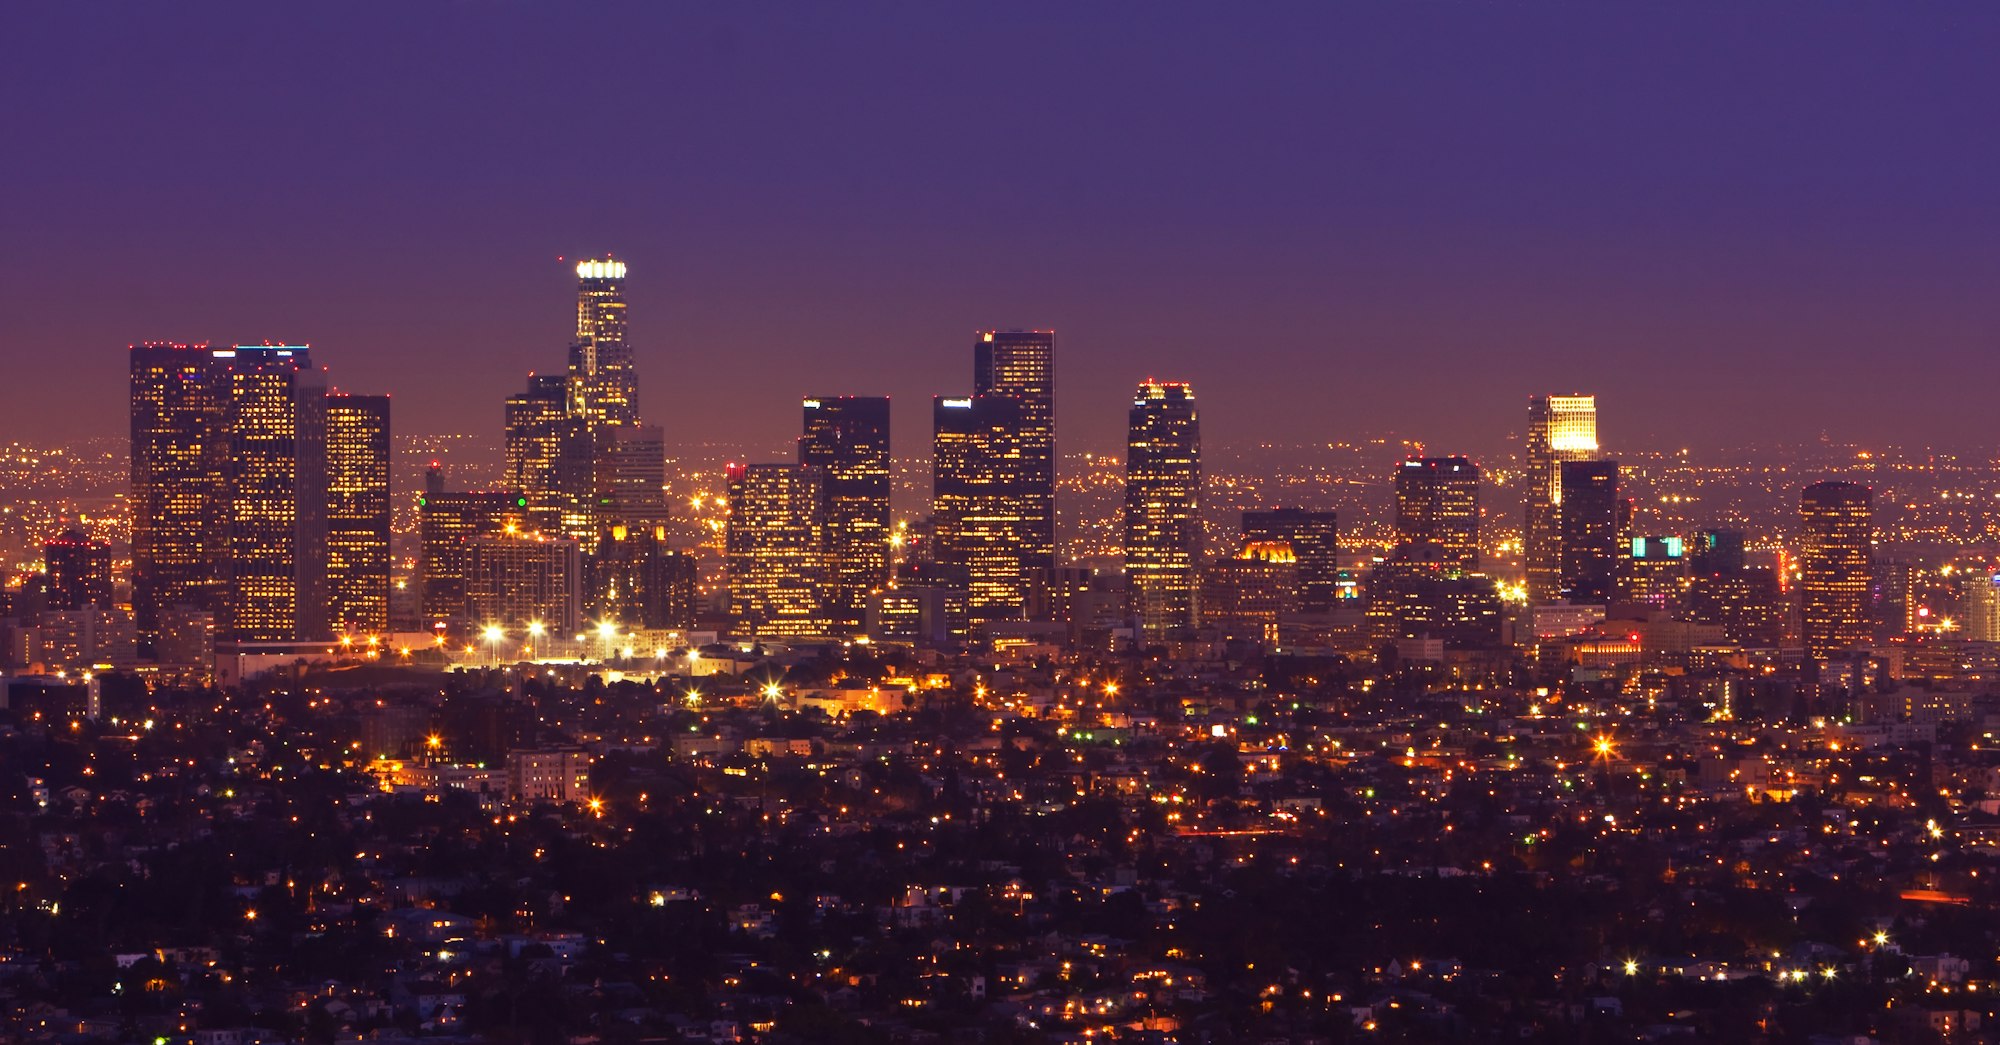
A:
x: 79, y: 572
x: 603, y: 383
x: 1020, y: 364
x: 1979, y: 605
x: 1246, y: 596
x: 1654, y: 573
x: 1560, y: 428
x: 1589, y: 532
x: 847, y: 439
x: 629, y: 478
x: 1313, y: 537
x: 1834, y: 556
x: 357, y: 513
x: 549, y: 458
x: 521, y: 582
x: 274, y: 415
x: 640, y: 582
x: 1746, y: 602
x: 776, y: 546
x: 980, y: 503
x: 177, y: 491
x: 447, y: 521
x: 1437, y: 500
x: 1715, y: 552
x: 1162, y: 507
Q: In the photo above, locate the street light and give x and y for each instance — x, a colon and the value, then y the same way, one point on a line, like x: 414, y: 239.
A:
x: 493, y: 635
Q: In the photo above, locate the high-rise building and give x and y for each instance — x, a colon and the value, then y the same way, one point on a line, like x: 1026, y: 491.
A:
x: 549, y: 459
x: 1560, y: 428
x: 274, y: 480
x: 79, y: 572
x: 1313, y: 539
x: 1834, y: 561
x: 1020, y: 364
x: 178, y: 498
x: 1654, y: 572
x: 357, y: 513
x: 629, y: 478
x: 447, y: 523
x: 1715, y: 552
x: 980, y: 503
x: 521, y: 583
x: 640, y: 582
x: 603, y: 382
x: 232, y: 485
x: 776, y: 544
x: 1979, y: 605
x: 1589, y: 534
x: 847, y: 439
x: 1437, y: 500
x: 1163, y: 507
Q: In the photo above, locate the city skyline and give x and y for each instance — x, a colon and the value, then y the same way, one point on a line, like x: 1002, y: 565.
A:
x: 1734, y: 269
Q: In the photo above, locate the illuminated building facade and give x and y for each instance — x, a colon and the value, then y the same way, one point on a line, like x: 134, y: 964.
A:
x: 549, y: 458
x: 1020, y: 365
x: 1560, y: 428
x: 640, y: 582
x: 517, y: 580
x: 776, y: 548
x: 1835, y: 541
x: 177, y: 489
x: 78, y: 571
x: 846, y: 438
x: 274, y: 479
x: 1437, y: 501
x: 1588, y: 538
x: 1979, y: 605
x: 1312, y: 535
x: 603, y: 382
x: 980, y: 500
x: 1162, y: 507
x: 357, y: 513
x: 1246, y: 596
x: 447, y: 522
x: 1654, y: 572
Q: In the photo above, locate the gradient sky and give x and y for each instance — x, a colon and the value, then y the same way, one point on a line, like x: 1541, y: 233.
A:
x: 1734, y: 222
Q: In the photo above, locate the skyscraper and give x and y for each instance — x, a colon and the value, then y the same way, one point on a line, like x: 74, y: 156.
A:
x: 629, y: 478
x: 639, y: 582
x: 1437, y: 501
x: 521, y: 582
x: 1589, y: 534
x: 980, y: 500
x: 776, y: 543
x: 274, y: 481
x: 357, y: 513
x: 177, y: 492
x: 847, y: 439
x: 1835, y: 540
x: 447, y: 523
x: 1163, y: 507
x: 549, y: 458
x: 1020, y: 364
x: 79, y: 572
x: 1560, y: 428
x: 1312, y: 536
x: 604, y: 384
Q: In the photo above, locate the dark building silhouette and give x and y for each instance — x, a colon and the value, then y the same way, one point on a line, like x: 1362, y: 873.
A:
x: 1590, y: 531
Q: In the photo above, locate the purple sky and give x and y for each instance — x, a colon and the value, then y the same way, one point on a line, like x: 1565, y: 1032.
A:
x: 1734, y: 222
